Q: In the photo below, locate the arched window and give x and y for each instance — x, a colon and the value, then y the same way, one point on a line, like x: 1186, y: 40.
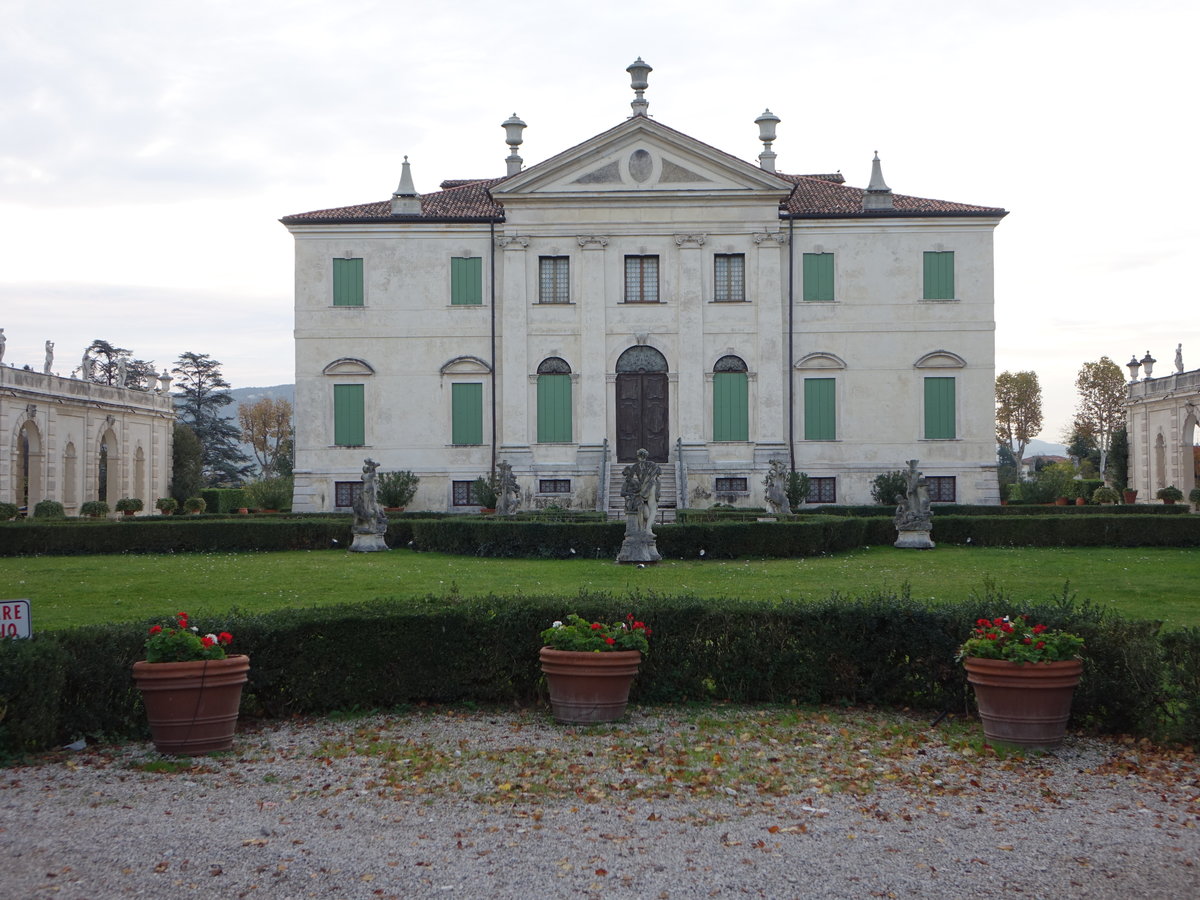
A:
x: 554, y: 401
x: 731, y: 404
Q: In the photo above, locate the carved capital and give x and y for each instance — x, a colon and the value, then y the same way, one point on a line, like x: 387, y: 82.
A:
x: 592, y: 241
x: 777, y: 237
x: 516, y: 242
x: 694, y: 239
x: 31, y: 410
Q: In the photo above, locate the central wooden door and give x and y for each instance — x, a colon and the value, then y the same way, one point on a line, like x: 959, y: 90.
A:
x: 642, y: 416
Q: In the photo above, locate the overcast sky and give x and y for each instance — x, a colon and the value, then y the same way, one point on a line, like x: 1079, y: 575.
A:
x: 147, y: 149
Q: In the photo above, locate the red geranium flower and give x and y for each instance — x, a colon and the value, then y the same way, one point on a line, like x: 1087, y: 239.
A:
x: 157, y: 629
x: 596, y: 626
x: 609, y: 640
x: 225, y: 637
x: 207, y: 640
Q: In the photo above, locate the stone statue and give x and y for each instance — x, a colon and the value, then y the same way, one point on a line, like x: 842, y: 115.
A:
x: 914, y: 516
x: 85, y: 367
x: 1178, y: 357
x: 370, y: 521
x: 3, y: 341
x: 122, y: 373
x: 508, y: 492
x: 49, y: 357
x: 776, y: 485
x: 640, y: 491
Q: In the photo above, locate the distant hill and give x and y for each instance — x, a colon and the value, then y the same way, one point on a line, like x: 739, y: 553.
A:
x: 1045, y: 448
x: 253, y: 395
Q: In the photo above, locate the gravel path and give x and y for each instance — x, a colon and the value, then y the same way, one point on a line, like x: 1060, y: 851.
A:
x: 671, y: 803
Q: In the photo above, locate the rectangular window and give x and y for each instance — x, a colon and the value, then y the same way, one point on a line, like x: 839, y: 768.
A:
x: 641, y: 279
x: 554, y: 486
x: 731, y: 486
x: 941, y: 488
x: 731, y: 407
x: 822, y: 490
x: 554, y: 409
x: 939, y: 275
x: 554, y: 279
x: 729, y: 277
x: 939, y: 409
x: 345, y: 492
x: 349, y: 429
x: 820, y: 412
x: 347, y: 282
x: 466, y: 281
x: 466, y: 413
x: 818, y: 276
x: 463, y: 495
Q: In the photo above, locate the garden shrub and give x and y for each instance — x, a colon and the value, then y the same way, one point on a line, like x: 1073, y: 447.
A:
x: 225, y: 500
x: 94, y: 509
x: 8, y: 511
x: 889, y: 488
x: 270, y: 493
x: 49, y: 509
x: 883, y: 649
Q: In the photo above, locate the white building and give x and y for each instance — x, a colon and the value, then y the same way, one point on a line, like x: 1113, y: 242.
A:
x: 644, y: 289
x: 1162, y: 420
x: 73, y: 440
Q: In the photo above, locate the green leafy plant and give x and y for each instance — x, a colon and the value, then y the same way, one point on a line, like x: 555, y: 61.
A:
x: 1194, y: 496
x: 889, y: 488
x: 194, y: 504
x: 483, y: 490
x: 270, y: 493
x: 181, y: 641
x: 94, y: 509
x: 1105, y: 494
x: 797, y: 488
x: 130, y: 504
x: 397, y: 488
x: 8, y: 511
x: 1170, y: 492
x: 595, y: 637
x: 166, y: 505
x: 1013, y: 638
x: 49, y: 509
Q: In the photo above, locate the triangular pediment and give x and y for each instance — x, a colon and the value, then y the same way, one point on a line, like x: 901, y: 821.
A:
x: 637, y: 156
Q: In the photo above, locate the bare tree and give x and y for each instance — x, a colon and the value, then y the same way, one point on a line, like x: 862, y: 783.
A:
x: 1101, y: 409
x: 1018, y: 410
x: 267, y: 428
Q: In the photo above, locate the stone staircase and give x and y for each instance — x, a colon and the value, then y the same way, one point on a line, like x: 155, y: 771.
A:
x: 668, y: 494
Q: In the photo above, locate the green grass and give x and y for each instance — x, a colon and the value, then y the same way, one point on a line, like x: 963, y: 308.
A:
x: 81, y: 590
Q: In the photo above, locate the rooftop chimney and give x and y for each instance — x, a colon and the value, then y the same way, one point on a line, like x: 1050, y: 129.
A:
x: 405, y: 199
x: 878, y: 195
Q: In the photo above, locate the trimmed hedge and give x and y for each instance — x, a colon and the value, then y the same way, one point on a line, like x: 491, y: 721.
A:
x: 955, y: 509
x: 885, y: 649
x: 1068, y: 531
x: 224, y: 500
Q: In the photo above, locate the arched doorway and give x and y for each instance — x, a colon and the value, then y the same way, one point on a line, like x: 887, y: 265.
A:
x: 642, y: 404
x: 27, y: 463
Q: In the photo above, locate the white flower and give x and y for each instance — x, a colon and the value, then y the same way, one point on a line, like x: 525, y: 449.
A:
x: 556, y: 625
x: 194, y: 628
x: 212, y: 637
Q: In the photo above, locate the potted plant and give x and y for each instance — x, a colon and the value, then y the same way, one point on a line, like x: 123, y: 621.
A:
x: 130, y: 505
x: 191, y: 687
x: 1128, y: 496
x: 483, y: 490
x: 166, y: 505
x: 1169, y: 495
x: 396, y: 489
x: 94, y: 509
x: 8, y: 511
x: 1024, y: 678
x: 1194, y: 496
x: 589, y: 667
x: 194, y: 505
x: 1105, y: 496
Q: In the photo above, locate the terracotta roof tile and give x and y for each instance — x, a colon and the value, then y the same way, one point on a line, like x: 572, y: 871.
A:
x: 466, y: 200
x: 816, y: 197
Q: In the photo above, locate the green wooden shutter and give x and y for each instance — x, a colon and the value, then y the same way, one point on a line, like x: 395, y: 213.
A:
x: 820, y: 410
x: 348, y: 415
x: 939, y: 275
x: 347, y: 282
x: 466, y: 413
x: 553, y: 409
x: 818, y: 276
x: 466, y: 281
x: 939, y: 408
x: 731, y: 407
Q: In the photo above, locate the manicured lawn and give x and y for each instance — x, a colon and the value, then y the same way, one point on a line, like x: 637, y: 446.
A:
x: 1139, y: 583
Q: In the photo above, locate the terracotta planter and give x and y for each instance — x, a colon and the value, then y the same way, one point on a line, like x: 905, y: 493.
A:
x: 129, y: 512
x: 587, y: 688
x: 1129, y: 496
x: 1080, y: 501
x: 1024, y: 704
x: 192, y: 706
x: 1060, y: 501
x: 243, y: 511
x: 393, y: 509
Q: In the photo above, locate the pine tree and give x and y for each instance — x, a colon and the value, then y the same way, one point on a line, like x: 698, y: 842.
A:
x: 203, y: 394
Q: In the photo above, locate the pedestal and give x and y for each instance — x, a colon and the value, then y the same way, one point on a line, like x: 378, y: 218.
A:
x: 914, y: 540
